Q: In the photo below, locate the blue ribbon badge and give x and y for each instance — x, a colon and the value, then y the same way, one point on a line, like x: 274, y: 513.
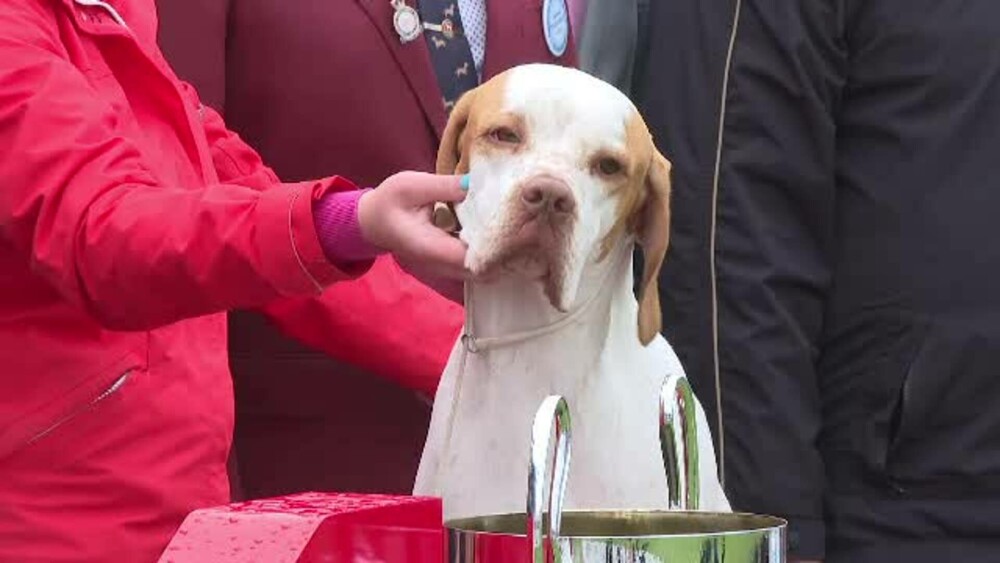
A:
x: 555, y: 22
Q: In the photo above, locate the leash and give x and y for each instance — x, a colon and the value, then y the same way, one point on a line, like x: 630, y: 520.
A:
x: 472, y: 344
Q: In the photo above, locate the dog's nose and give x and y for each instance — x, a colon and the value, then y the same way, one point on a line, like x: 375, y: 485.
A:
x: 546, y: 194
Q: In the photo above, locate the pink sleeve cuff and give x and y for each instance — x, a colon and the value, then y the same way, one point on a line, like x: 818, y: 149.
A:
x: 336, y: 218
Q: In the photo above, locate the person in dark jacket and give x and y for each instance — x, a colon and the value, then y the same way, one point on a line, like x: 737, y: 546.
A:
x: 609, y: 39
x: 832, y: 282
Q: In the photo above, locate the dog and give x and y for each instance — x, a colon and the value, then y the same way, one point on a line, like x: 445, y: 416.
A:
x: 565, y: 180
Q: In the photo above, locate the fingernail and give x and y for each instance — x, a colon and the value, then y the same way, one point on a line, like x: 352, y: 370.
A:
x: 464, y: 183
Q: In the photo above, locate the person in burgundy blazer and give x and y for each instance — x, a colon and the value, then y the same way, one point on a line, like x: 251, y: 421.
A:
x: 321, y: 87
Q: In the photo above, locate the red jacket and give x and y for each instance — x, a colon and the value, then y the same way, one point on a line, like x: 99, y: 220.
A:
x: 130, y: 219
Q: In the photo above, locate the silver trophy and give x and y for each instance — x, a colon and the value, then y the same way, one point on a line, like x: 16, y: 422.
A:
x: 546, y: 533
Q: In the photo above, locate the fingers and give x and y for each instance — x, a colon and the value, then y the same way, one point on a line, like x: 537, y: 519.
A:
x: 401, y: 221
x: 441, y: 252
x: 427, y: 189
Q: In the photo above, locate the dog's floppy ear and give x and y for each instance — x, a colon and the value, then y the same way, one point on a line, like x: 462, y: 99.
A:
x: 451, y: 158
x: 654, y: 236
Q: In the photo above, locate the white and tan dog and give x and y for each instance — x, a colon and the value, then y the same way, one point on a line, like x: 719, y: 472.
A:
x: 565, y: 179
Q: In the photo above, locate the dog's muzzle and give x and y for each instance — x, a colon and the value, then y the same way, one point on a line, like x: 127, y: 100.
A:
x: 534, y: 237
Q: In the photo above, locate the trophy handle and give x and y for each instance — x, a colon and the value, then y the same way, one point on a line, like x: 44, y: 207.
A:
x: 554, y: 412
x: 679, y: 443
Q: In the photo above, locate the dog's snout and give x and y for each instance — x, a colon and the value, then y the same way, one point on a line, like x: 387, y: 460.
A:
x: 548, y: 194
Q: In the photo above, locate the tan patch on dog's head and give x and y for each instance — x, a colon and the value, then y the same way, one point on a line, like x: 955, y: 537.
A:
x: 477, y: 114
x: 631, y: 189
x: 643, y: 209
x: 465, y: 129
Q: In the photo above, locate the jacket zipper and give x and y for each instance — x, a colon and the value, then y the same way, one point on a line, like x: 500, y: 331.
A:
x: 111, y: 390
x: 106, y: 7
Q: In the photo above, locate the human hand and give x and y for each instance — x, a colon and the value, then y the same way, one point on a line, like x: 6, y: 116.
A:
x: 397, y: 217
x: 451, y: 289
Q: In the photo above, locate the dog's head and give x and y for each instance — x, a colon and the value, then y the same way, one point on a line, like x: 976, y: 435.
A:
x: 562, y: 168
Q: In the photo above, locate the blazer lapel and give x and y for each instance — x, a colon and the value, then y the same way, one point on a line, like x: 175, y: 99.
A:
x: 413, y: 60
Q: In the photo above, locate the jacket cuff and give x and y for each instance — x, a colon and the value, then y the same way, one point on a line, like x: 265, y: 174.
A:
x: 291, y: 255
x: 806, y: 538
x: 336, y: 218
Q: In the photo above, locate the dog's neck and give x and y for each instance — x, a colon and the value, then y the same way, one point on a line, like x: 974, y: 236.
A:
x: 509, y: 310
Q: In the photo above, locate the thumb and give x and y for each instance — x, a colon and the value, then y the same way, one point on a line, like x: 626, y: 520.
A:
x: 432, y: 188
x: 444, y: 251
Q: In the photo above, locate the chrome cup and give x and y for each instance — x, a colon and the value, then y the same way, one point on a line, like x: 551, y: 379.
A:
x: 546, y: 533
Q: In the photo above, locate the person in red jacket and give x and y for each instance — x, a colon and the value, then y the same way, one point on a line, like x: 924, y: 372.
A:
x: 131, y: 219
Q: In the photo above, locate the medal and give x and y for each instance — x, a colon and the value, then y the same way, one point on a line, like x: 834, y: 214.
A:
x: 406, y: 21
x: 555, y: 24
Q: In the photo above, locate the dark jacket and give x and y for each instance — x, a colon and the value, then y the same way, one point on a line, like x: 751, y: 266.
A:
x: 832, y: 279
x: 608, y: 40
x: 326, y: 85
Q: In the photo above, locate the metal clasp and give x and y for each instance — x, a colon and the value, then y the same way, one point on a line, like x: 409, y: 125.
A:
x: 470, y: 343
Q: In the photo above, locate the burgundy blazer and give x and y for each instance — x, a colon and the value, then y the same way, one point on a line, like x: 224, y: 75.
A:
x: 322, y: 87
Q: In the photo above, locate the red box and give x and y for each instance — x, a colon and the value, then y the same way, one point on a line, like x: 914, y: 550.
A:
x: 313, y: 528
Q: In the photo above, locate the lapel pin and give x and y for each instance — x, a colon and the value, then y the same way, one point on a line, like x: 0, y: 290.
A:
x: 446, y: 28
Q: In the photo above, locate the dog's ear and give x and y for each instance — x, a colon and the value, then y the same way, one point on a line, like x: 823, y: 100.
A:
x: 451, y: 158
x: 654, y: 237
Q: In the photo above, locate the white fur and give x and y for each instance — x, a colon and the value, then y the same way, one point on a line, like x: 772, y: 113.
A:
x: 476, y: 455
x: 563, y: 131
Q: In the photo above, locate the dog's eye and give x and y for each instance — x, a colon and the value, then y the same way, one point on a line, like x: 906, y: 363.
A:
x: 609, y: 166
x: 505, y: 135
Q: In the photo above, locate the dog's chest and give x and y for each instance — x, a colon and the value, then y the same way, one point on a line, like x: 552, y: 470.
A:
x: 616, y: 460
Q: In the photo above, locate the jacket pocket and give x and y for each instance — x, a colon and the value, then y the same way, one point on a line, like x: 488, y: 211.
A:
x: 947, y: 428
x: 863, y: 382
x: 80, y: 410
